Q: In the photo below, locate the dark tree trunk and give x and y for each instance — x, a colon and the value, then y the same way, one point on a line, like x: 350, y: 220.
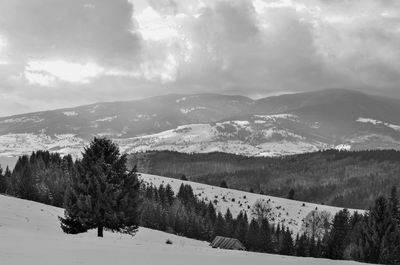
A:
x: 100, y: 231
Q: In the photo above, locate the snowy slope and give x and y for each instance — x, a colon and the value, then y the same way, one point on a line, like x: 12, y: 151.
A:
x: 258, y: 135
x: 30, y: 234
x: 272, y: 126
x: 284, y: 211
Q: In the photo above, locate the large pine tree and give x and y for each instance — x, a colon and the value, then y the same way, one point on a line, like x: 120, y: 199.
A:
x: 103, y: 194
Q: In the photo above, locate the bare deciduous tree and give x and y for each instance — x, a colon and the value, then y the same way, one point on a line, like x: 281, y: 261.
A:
x: 261, y: 210
x: 316, y: 224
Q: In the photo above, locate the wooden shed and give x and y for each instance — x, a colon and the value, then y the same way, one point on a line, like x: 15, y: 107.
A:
x: 227, y: 243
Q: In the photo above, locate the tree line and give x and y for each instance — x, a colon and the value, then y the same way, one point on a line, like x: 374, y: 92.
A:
x: 98, y: 191
x: 346, y: 179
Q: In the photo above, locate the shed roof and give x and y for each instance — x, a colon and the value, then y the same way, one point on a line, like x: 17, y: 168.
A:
x: 227, y: 243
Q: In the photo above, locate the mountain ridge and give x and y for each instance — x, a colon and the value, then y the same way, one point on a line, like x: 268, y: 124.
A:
x: 271, y: 126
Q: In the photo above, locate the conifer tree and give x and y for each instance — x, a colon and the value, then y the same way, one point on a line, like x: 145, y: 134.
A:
x: 266, y: 237
x: 286, y: 247
x: 3, y: 182
x: 7, y: 178
x: 302, y: 249
x: 211, y: 212
x: 291, y: 194
x: 24, y: 184
x: 229, y: 222
x: 394, y: 200
x: 223, y: 184
x: 241, y: 226
x: 337, y: 236
x: 169, y: 193
x: 253, y: 239
x: 103, y: 194
x: 380, y: 239
x: 219, y: 227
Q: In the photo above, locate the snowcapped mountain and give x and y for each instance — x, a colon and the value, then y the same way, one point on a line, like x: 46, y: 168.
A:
x: 31, y: 234
x: 286, y: 124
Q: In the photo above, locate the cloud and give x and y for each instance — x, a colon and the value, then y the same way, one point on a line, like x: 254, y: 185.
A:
x: 45, y: 72
x: 116, y: 50
x: 74, y: 30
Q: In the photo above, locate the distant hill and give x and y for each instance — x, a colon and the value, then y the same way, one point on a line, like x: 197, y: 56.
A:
x: 338, y: 178
x: 272, y: 126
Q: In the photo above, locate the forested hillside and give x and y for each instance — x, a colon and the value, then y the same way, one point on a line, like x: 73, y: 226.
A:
x: 338, y: 178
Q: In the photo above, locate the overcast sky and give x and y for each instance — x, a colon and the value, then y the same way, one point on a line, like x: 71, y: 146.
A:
x: 60, y: 53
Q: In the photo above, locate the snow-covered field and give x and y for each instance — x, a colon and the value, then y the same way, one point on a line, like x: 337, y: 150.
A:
x: 256, y: 138
x: 259, y: 135
x: 26, y: 143
x: 30, y: 235
x: 284, y: 211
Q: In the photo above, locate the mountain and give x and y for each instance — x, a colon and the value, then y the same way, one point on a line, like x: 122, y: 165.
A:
x: 279, y: 125
x: 31, y: 234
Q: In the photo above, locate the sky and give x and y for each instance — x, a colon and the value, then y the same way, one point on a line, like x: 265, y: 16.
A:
x: 57, y: 53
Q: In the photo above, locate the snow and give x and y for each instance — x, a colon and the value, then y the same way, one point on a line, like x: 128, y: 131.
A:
x: 186, y: 111
x: 241, y: 123
x: 93, y: 109
x: 181, y: 99
x: 284, y: 211
x: 25, y: 143
x: 70, y: 113
x: 281, y: 148
x: 275, y: 117
x: 30, y: 234
x: 376, y: 122
x: 22, y: 119
x: 343, y: 147
x: 259, y: 121
x: 107, y: 119
x: 203, y: 138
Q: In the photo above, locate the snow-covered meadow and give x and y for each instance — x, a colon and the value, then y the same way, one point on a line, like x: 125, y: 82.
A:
x: 289, y: 213
x: 30, y: 234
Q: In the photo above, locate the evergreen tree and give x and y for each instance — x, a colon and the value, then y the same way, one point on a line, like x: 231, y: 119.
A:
x: 219, y: 227
x: 229, y: 229
x: 7, y: 178
x: 3, y: 182
x: 242, y: 224
x: 103, y: 194
x: 169, y: 193
x: 302, y: 247
x: 380, y: 239
x: 291, y: 194
x: 287, y: 247
x: 394, y: 200
x: 24, y: 184
x: 253, y: 242
x: 337, y: 236
x: 186, y: 194
x: 212, y: 215
x: 223, y: 184
x: 162, y: 195
x: 266, y: 237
